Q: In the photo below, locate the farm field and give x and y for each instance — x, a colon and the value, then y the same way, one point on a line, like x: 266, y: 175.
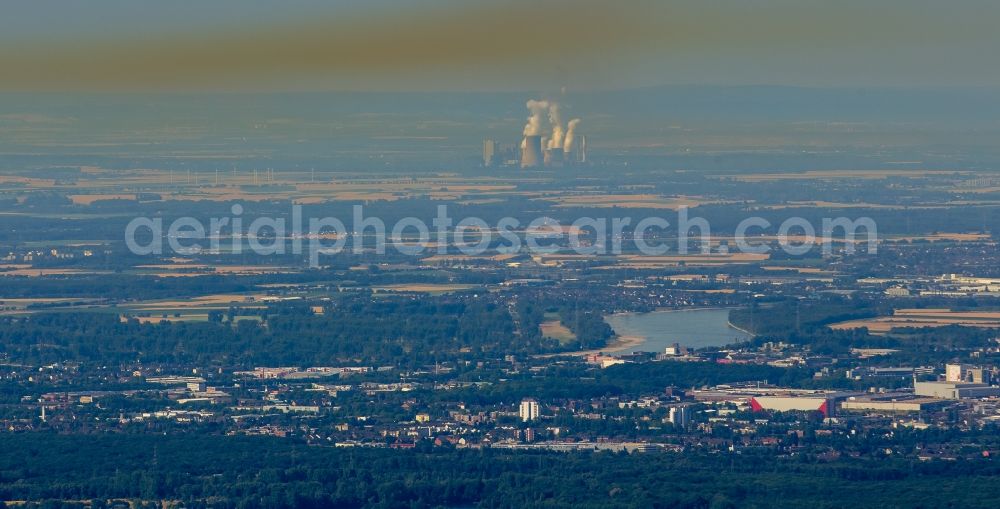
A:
x: 553, y: 328
x: 194, y: 269
x: 432, y: 288
x: 923, y: 318
x: 838, y: 174
x: 646, y: 201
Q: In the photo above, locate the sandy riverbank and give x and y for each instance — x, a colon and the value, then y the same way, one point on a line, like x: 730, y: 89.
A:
x: 744, y: 331
x: 619, y: 344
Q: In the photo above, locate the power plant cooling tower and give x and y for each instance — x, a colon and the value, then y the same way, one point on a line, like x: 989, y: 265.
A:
x: 554, y: 157
x: 531, y: 155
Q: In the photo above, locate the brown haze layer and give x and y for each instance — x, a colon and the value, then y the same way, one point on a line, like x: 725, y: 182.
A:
x: 479, y: 38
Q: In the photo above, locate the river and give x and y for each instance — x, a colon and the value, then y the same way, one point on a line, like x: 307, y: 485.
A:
x: 693, y: 328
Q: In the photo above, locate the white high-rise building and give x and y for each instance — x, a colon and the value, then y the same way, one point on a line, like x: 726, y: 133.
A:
x: 680, y: 416
x: 529, y: 410
x: 954, y: 372
x: 966, y: 373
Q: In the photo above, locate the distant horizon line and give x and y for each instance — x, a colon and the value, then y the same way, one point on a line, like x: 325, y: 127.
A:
x: 500, y: 92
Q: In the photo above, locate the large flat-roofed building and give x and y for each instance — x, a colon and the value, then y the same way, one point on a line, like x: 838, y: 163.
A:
x: 966, y: 373
x: 792, y: 404
x: 769, y: 398
x: 878, y: 372
x: 955, y: 390
x: 894, y: 403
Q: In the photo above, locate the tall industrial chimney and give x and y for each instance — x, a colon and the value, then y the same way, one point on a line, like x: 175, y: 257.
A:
x: 531, y: 154
x: 489, y: 152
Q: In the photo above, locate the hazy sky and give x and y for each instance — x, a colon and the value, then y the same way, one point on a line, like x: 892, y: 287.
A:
x: 402, y: 45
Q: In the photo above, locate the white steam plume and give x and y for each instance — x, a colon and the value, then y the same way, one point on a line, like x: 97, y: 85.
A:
x: 570, y: 135
x: 556, y: 141
x: 537, y: 110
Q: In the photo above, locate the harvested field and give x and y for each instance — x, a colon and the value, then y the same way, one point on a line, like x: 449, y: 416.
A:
x: 655, y: 262
x: 33, y: 272
x: 957, y: 237
x: 800, y: 270
x: 194, y: 269
x: 646, y: 201
x: 424, y: 288
x: 924, y: 318
x: 87, y: 199
x: 837, y: 174
x: 207, y: 300
x: 552, y: 328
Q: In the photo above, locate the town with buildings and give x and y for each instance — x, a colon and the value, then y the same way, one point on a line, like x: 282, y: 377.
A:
x: 503, y: 254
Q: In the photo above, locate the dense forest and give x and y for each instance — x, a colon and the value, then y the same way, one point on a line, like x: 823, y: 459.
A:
x: 354, y: 327
x: 126, y: 287
x: 205, y: 471
x: 362, y: 330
